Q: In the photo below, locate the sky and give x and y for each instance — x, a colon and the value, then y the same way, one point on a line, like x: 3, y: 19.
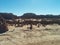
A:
x: 19, y: 7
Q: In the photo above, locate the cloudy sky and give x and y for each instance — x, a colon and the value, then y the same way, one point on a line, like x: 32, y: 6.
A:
x: 20, y: 7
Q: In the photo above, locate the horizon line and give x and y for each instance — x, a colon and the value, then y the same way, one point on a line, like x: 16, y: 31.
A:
x: 30, y: 12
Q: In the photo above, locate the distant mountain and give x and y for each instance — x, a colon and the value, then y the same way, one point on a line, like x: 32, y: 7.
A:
x: 8, y: 15
x: 32, y: 15
x: 28, y: 15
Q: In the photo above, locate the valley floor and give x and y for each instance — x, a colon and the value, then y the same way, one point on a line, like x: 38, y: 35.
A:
x: 49, y: 35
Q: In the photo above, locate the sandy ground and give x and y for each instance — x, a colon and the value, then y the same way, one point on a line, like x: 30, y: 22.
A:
x: 49, y: 35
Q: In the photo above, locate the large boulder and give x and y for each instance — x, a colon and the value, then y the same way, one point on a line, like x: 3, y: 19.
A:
x: 3, y: 26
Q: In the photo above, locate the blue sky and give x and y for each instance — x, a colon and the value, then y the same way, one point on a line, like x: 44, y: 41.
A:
x: 20, y: 7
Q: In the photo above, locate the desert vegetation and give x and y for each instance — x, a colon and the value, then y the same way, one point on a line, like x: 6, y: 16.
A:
x: 29, y: 29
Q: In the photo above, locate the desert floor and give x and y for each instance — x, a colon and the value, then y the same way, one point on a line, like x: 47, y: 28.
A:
x: 49, y: 35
